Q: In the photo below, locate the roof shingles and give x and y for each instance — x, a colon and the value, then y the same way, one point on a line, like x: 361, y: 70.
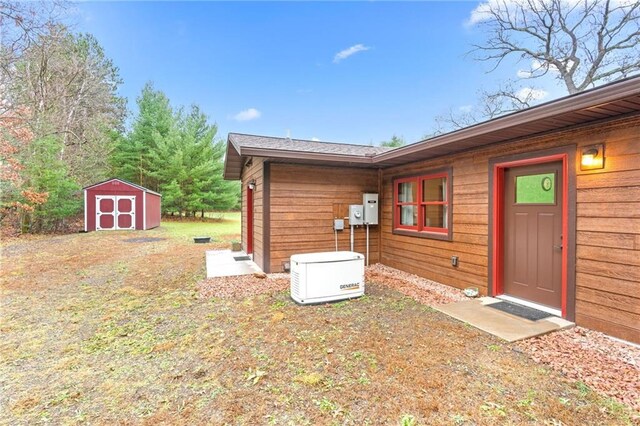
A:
x: 298, y: 145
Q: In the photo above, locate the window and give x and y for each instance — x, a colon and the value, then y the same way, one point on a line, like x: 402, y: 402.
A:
x: 536, y: 189
x: 423, y: 205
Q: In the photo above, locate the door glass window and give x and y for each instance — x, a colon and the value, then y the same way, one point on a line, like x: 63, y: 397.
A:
x: 536, y: 189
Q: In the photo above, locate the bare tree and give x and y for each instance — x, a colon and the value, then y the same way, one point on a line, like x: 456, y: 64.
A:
x: 580, y: 42
x: 21, y: 24
x: 506, y: 99
x: 70, y: 87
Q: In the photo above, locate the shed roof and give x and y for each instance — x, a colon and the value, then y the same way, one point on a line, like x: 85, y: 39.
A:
x: 126, y: 182
x: 613, y: 100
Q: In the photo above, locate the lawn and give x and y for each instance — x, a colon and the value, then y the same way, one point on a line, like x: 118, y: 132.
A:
x: 97, y: 328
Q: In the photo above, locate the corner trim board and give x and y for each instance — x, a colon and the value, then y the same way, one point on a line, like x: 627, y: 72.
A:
x: 266, y: 217
x: 86, y: 207
x: 144, y: 211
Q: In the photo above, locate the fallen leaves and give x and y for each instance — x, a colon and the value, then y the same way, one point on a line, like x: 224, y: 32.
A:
x: 256, y: 375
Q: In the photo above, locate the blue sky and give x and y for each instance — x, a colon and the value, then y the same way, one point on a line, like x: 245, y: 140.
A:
x: 275, y: 67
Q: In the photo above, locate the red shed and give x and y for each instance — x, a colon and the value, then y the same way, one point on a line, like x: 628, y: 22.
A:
x: 116, y: 204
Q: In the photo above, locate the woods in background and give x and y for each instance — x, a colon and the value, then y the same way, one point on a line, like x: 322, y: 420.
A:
x: 175, y: 152
x: 62, y: 127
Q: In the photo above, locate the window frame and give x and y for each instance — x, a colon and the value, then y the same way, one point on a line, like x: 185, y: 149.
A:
x: 420, y: 230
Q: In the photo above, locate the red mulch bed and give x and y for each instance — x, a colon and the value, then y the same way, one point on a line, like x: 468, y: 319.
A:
x: 606, y: 365
x: 424, y: 291
x: 242, y: 286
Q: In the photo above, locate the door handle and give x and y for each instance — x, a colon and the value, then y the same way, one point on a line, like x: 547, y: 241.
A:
x: 558, y: 247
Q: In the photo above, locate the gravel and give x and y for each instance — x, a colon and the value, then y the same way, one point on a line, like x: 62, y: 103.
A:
x: 242, y: 286
x: 608, y: 366
x: 424, y: 291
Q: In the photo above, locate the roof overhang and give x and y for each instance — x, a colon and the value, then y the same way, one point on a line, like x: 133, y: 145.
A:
x: 126, y: 182
x: 606, y: 102
x: 237, y: 155
x: 611, y: 101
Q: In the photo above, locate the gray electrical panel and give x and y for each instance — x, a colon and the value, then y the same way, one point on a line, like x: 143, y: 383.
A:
x: 356, y: 215
x: 370, y: 207
x: 338, y: 224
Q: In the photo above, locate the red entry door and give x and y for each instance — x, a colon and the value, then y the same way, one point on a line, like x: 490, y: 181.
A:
x: 533, y: 233
x: 249, y: 220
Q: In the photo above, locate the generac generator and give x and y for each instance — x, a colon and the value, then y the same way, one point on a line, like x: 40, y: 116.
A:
x: 326, y: 277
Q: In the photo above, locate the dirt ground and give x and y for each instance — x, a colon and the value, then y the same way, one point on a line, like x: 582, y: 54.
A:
x: 97, y: 329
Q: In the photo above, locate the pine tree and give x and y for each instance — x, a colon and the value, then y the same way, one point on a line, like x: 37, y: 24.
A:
x: 132, y: 155
x: 46, y: 173
x: 176, y: 153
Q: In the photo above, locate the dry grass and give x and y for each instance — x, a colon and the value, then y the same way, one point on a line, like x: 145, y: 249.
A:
x: 97, y: 330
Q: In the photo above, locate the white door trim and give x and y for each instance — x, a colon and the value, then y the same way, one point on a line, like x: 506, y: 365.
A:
x: 132, y: 212
x: 99, y: 213
x: 115, y: 212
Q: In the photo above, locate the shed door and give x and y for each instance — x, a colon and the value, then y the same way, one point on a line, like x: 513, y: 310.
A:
x: 533, y: 233
x: 115, y: 212
x: 126, y: 212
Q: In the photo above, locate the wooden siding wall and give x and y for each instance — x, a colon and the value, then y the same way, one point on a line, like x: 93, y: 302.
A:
x: 254, y: 172
x: 608, y: 235
x: 304, y: 201
x: 608, y: 224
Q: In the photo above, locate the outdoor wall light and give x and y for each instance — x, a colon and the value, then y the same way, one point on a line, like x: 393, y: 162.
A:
x: 252, y: 185
x: 592, y: 157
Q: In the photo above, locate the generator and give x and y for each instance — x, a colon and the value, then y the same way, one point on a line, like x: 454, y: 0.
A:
x: 326, y: 277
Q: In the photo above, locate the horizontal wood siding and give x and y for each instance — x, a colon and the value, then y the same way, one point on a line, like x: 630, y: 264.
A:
x: 608, y: 235
x: 304, y: 200
x: 254, y: 172
x: 608, y: 224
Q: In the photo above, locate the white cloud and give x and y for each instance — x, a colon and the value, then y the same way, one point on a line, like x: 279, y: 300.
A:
x: 524, y: 74
x: 344, y: 54
x: 539, y: 67
x: 247, y: 115
x: 466, y: 108
x: 531, y: 94
x: 315, y: 139
x: 479, y: 14
x: 481, y: 11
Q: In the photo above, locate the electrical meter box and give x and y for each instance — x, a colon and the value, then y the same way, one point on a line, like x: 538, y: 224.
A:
x: 370, y: 207
x: 356, y: 215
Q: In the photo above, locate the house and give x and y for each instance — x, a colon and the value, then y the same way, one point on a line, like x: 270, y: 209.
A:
x: 542, y: 205
x: 115, y: 204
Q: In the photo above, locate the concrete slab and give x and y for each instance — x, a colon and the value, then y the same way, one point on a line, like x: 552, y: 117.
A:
x: 501, y: 324
x: 221, y: 263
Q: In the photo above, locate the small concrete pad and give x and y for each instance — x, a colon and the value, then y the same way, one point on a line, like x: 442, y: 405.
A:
x: 501, y: 324
x: 221, y: 263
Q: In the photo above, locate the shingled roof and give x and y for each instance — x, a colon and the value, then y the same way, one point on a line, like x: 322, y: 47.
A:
x: 287, y: 144
x: 242, y: 145
x: 610, y: 101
